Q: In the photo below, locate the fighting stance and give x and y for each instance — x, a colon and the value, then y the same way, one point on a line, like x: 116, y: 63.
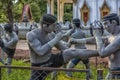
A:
x: 111, y: 48
x: 78, y: 34
x: 8, y: 43
x: 42, y: 40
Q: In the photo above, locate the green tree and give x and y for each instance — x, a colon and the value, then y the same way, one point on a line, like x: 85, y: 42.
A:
x: 35, y: 11
x: 13, y: 10
x: 42, y: 7
x: 6, y: 8
x: 17, y: 12
x: 38, y: 8
x: 68, y: 12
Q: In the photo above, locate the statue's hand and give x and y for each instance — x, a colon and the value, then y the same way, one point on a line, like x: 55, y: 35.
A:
x: 96, y: 33
x: 59, y: 35
x: 73, y: 41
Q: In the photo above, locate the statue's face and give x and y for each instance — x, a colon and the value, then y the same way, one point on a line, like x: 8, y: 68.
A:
x: 110, y: 26
x: 49, y: 28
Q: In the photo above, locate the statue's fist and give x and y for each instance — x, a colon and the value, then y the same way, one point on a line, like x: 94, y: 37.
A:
x: 72, y: 41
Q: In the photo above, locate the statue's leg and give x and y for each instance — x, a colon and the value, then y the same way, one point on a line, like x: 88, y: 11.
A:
x: 1, y: 60
x: 9, y: 62
x: 69, y: 54
x: 72, y: 63
x: 53, y: 75
x: 108, y: 76
x: 87, y: 65
x: 10, y: 53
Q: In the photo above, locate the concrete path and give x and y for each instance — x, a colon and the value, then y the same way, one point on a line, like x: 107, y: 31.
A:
x: 22, y: 44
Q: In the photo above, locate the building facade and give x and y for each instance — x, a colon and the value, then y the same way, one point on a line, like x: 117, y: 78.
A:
x: 86, y: 10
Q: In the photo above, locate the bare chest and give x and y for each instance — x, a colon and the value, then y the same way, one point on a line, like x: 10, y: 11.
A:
x: 111, y: 39
x: 8, y: 38
x: 45, y: 39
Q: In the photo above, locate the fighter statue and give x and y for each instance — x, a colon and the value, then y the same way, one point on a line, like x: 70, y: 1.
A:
x: 8, y: 44
x: 43, y: 39
x: 78, y: 34
x: 111, y: 48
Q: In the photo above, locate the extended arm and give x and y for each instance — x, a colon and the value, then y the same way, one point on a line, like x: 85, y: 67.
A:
x: 37, y: 46
x: 61, y: 45
x: 90, y: 40
x: 108, y: 50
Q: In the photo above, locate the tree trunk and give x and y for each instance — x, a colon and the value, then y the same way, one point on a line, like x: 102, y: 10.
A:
x: 9, y: 12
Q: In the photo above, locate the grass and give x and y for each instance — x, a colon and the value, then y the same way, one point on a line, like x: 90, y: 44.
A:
x: 23, y: 74
x: 17, y: 74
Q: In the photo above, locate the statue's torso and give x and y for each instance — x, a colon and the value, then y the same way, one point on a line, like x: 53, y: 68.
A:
x: 35, y: 58
x: 114, y: 59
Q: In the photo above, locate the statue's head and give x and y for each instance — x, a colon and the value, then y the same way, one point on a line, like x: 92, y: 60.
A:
x: 8, y: 28
x: 111, y: 17
x: 48, y: 19
x: 76, y: 22
x: 48, y: 22
x: 111, y: 22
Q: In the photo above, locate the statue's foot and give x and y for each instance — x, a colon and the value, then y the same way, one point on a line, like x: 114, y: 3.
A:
x: 68, y: 74
x: 2, y: 61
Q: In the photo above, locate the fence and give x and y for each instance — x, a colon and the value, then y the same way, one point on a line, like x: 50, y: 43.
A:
x: 23, y: 73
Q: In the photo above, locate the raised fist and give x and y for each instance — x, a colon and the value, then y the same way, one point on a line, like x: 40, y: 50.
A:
x: 59, y: 35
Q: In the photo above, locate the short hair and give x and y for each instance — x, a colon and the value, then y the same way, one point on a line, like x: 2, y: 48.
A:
x: 48, y: 19
x: 110, y: 17
x: 77, y: 22
x: 8, y: 27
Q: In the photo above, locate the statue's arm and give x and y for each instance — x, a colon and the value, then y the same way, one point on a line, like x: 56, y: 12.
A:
x: 108, y: 50
x: 61, y: 45
x: 90, y: 40
x: 14, y: 40
x: 36, y: 45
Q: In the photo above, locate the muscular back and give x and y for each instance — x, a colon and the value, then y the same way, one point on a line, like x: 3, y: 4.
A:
x: 79, y: 34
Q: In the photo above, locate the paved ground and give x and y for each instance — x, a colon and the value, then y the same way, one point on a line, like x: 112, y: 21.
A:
x: 22, y: 44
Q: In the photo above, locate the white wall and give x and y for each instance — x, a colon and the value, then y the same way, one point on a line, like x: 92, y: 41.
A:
x: 118, y: 1
x: 95, y: 6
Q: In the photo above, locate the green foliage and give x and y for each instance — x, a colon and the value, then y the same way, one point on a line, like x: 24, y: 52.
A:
x: 17, y: 74
x: 6, y: 9
x: 43, y: 7
x: 17, y: 12
x: 3, y: 18
x: 35, y: 11
x: 67, y: 16
x: 68, y: 12
x: 38, y: 8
